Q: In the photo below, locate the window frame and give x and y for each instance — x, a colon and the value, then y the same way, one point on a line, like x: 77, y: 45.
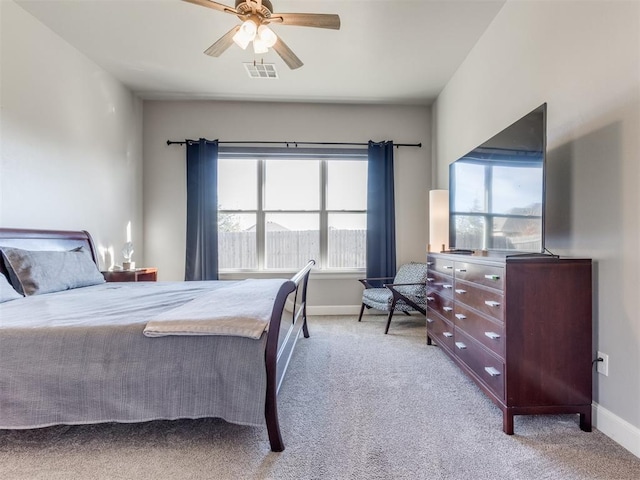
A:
x: 263, y: 154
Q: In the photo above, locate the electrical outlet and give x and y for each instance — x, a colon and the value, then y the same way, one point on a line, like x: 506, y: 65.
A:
x: 603, y: 366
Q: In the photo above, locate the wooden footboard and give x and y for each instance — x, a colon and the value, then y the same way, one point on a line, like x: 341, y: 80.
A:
x: 280, y: 346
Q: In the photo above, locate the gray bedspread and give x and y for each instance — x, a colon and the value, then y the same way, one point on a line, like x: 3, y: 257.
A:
x: 79, y: 356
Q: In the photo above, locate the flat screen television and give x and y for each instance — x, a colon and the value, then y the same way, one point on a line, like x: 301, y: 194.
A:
x: 497, y: 190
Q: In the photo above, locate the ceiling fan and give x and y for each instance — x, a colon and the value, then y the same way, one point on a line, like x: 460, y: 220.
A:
x: 256, y: 16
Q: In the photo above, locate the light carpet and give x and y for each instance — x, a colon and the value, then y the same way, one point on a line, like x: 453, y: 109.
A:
x: 356, y: 404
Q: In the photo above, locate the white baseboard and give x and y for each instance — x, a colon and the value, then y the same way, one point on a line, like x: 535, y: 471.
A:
x: 341, y: 310
x: 616, y: 428
x: 328, y: 309
x: 333, y: 310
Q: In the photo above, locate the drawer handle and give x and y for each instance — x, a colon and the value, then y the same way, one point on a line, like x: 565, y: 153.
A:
x: 429, y: 320
x: 460, y: 291
x: 491, y: 303
x: 460, y: 316
x: 492, y: 335
x: 492, y: 371
x: 448, y: 267
x: 430, y: 279
x: 431, y: 299
x: 446, y: 285
x: 447, y: 309
x: 429, y: 264
x: 448, y: 334
x: 461, y: 270
x: 492, y: 277
x: 460, y: 345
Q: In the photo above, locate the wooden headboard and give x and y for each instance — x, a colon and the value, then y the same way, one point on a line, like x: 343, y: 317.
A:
x: 29, y: 239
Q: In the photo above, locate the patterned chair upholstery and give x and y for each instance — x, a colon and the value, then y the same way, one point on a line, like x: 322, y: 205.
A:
x: 407, y: 292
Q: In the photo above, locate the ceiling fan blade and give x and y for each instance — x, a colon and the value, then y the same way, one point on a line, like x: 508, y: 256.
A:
x: 317, y: 20
x: 287, y: 55
x: 214, y: 5
x: 222, y: 43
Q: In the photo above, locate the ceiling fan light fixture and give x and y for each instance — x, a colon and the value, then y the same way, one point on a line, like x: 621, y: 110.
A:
x: 266, y: 36
x: 245, y: 34
x: 259, y: 46
x: 259, y: 13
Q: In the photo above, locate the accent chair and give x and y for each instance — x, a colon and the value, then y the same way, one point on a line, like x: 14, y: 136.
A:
x: 406, y: 292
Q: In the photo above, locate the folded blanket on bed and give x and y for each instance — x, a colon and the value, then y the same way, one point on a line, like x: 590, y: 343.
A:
x: 242, y: 309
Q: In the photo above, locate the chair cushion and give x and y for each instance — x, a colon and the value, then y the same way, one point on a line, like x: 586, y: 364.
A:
x: 377, y: 295
x: 381, y: 299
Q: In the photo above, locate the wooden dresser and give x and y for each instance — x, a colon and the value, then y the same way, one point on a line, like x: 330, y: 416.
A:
x: 520, y: 327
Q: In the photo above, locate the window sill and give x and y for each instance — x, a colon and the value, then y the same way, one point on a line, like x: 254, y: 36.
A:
x: 315, y: 274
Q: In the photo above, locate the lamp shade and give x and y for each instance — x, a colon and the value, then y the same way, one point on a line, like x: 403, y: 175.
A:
x: 259, y: 46
x: 267, y: 36
x: 438, y: 220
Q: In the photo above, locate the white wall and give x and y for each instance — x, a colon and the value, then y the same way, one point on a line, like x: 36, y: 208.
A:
x: 583, y: 58
x: 70, y: 138
x: 164, y: 167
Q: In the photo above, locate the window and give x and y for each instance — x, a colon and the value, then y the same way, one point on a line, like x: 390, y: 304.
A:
x: 276, y: 210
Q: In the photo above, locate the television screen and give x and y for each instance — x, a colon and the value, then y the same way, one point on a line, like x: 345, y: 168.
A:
x: 497, y: 190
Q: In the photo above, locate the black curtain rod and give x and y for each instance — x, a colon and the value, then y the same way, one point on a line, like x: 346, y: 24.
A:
x: 296, y: 144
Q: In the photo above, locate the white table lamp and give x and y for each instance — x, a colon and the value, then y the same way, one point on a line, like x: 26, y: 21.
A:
x: 438, y: 220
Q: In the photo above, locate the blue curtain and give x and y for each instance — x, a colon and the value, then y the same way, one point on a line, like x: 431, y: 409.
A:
x: 381, y: 217
x: 202, y: 210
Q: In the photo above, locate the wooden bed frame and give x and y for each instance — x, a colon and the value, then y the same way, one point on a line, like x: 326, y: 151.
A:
x: 281, y: 336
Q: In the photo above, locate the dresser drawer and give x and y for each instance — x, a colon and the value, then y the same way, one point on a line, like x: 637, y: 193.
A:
x: 488, y: 275
x: 440, y: 330
x: 484, y: 330
x: 441, y: 284
x: 486, y: 366
x: 489, y: 302
x: 442, y: 265
x: 441, y: 305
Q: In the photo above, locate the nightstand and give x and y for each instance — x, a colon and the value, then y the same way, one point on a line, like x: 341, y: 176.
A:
x: 137, y: 275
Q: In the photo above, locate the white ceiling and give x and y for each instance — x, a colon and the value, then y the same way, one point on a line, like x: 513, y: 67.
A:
x: 387, y: 51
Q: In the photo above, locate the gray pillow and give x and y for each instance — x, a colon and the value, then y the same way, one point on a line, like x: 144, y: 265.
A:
x: 36, y: 272
x: 7, y: 292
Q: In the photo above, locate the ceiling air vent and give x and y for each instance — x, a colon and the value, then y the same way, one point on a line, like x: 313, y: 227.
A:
x: 261, y: 70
